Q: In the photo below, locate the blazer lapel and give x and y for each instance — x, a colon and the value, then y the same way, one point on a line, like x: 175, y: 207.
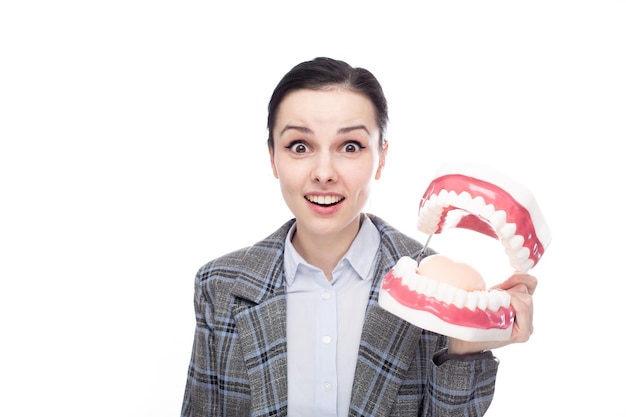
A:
x: 260, y: 316
x: 262, y: 329
x: 388, y: 346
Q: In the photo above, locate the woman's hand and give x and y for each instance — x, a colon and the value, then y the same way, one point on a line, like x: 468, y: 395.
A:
x: 521, y: 287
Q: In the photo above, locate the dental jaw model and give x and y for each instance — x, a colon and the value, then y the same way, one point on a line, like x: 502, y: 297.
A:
x: 450, y: 298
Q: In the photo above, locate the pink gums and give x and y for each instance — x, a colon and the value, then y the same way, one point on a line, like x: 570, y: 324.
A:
x: 480, y: 319
x: 492, y: 194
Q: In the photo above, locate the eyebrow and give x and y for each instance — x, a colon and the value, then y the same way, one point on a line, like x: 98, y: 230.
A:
x: 340, y: 131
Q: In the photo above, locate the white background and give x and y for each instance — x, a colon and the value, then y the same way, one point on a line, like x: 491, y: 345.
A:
x: 133, y: 151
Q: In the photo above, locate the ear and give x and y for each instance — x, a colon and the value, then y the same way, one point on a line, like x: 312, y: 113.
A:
x: 381, y: 160
x: 271, y: 151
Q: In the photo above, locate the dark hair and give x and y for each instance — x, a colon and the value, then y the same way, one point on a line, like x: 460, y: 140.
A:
x: 325, y: 72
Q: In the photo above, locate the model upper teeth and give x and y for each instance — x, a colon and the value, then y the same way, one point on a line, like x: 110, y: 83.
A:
x: 431, y: 219
x: 467, y: 195
x: 324, y: 199
x: 431, y: 215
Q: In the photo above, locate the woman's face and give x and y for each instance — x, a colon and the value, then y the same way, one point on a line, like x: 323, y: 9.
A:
x: 326, y: 156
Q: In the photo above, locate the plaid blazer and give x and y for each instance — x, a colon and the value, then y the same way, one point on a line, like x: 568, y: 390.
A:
x: 239, y: 357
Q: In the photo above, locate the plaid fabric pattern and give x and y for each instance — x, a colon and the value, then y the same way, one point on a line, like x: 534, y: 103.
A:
x: 239, y: 359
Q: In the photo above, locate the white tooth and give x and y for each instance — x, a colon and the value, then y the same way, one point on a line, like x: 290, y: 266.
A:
x: 406, y: 279
x: 460, y: 298
x: 472, y: 300
x: 422, y: 285
x: 507, y: 231
x: 513, y: 259
x: 430, y: 204
x: 520, y: 259
x: 405, y: 265
x: 463, y: 201
x: 522, y: 254
x: 441, y: 291
x: 514, y: 243
x: 445, y: 292
x: 483, y: 300
x: 476, y: 206
x: 494, y: 301
x: 427, y: 222
x: 327, y: 200
x: 429, y: 214
x: 431, y: 287
x: 413, y: 282
x: 505, y: 298
x: 442, y: 197
x: 498, y: 219
x: 449, y: 294
x: 487, y: 211
x: 451, y: 198
x: 527, y: 265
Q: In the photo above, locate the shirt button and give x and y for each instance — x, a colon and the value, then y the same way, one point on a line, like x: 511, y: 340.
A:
x: 325, y: 295
x: 326, y: 340
x: 327, y: 386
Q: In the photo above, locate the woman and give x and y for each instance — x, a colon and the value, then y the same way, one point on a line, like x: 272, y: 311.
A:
x: 291, y: 325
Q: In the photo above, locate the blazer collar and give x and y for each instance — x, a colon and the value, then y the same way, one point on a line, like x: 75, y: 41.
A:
x: 262, y: 268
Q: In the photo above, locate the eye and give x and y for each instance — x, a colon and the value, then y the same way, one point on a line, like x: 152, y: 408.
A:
x: 352, y: 147
x: 297, y: 147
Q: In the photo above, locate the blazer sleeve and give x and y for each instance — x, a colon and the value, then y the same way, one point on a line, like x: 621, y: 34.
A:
x: 201, y: 390
x: 462, y: 386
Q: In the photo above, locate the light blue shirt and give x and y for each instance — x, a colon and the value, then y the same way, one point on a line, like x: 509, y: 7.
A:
x: 324, y: 323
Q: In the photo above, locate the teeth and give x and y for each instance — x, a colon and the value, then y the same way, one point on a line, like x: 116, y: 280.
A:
x: 483, y: 300
x: 460, y: 298
x: 472, y: 300
x: 476, y: 206
x: 505, y: 298
x: 430, y: 218
x: 487, y: 211
x: 451, y: 198
x: 527, y: 265
x: 422, y: 285
x: 492, y: 300
x: 442, y: 197
x: 324, y: 199
x: 445, y: 293
x: 514, y: 243
x: 464, y: 201
x: 507, y: 231
x: 431, y: 287
x: 498, y: 219
x: 449, y: 294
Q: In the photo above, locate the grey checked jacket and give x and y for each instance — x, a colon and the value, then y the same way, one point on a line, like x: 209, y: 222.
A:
x: 239, y: 359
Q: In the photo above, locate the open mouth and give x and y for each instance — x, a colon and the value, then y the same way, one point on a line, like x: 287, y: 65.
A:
x: 475, y: 198
x: 324, y: 200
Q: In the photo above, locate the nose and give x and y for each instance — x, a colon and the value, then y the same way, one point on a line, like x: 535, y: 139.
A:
x: 324, y: 170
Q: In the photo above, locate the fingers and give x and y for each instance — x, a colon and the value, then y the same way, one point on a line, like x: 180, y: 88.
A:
x: 517, y: 279
x: 521, y: 287
x: 522, y: 303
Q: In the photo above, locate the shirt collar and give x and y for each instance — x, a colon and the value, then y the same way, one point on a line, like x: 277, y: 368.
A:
x: 361, y: 254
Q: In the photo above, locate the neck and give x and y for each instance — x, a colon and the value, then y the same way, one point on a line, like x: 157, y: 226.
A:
x: 325, y: 251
